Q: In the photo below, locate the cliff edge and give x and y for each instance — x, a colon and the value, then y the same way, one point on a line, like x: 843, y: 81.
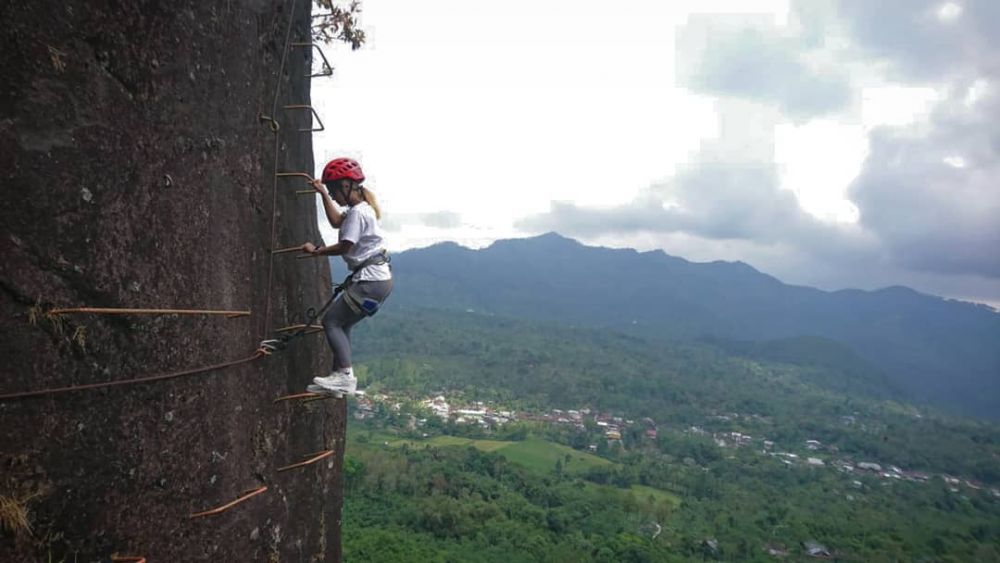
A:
x: 136, y: 174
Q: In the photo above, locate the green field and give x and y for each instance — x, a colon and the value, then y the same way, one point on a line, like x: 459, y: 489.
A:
x: 643, y: 492
x: 542, y: 455
x: 533, y: 453
x: 445, y: 441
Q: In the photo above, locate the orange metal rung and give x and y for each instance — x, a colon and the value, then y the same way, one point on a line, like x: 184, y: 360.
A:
x: 308, y: 177
x: 285, y: 250
x: 298, y: 326
x: 306, y: 395
x: 225, y: 507
x: 315, y: 457
x: 112, y: 311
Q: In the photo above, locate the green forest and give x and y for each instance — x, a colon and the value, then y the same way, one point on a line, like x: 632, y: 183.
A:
x: 419, y: 488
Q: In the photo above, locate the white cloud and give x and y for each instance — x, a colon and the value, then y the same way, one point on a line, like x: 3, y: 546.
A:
x: 787, y: 151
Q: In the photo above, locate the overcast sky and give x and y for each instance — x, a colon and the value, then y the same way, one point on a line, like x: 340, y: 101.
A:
x: 840, y: 143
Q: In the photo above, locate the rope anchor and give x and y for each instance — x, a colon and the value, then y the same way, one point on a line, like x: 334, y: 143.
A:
x: 273, y: 125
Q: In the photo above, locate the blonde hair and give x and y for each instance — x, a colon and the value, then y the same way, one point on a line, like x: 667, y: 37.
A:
x: 370, y: 198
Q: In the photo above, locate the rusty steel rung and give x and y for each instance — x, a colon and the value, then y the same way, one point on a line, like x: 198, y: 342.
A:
x: 113, y: 311
x: 225, y: 507
x: 308, y: 177
x: 312, y: 458
x: 316, y: 115
x: 327, y: 67
x: 298, y: 326
x: 322, y: 397
x: 297, y: 396
x: 286, y: 250
x: 115, y: 558
x: 306, y: 192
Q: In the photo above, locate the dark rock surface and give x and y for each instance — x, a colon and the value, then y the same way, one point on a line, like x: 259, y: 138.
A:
x: 135, y: 173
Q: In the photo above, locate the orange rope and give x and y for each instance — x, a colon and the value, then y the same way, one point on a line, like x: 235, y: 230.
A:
x: 112, y: 311
x: 226, y: 507
x: 257, y: 354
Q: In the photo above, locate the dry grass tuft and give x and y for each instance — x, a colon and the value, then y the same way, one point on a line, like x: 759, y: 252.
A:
x: 80, y: 337
x: 14, y: 514
x: 35, y: 313
x: 57, y: 323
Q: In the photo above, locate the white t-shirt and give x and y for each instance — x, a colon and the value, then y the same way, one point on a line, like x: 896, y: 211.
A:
x: 361, y: 227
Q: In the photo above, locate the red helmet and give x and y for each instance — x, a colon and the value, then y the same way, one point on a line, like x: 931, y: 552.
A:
x: 340, y: 168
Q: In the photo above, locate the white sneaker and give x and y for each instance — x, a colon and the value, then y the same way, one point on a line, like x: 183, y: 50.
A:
x: 341, y: 380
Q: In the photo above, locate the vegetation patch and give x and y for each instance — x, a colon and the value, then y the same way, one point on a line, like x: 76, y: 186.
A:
x: 542, y: 455
x: 14, y: 514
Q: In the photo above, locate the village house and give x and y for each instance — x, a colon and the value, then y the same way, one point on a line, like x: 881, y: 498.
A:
x: 950, y: 480
x: 439, y: 406
x: 866, y: 466
x: 815, y: 549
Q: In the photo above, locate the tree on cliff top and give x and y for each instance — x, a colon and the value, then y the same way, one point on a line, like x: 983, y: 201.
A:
x: 340, y: 23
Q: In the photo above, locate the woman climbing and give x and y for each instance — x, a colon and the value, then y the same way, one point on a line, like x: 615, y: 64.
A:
x: 360, y: 243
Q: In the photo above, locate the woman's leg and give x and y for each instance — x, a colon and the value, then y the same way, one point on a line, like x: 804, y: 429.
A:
x: 337, y: 323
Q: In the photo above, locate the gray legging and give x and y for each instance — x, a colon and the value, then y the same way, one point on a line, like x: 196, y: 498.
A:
x: 337, y: 322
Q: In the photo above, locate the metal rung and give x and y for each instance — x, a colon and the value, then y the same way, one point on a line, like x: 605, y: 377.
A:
x: 286, y: 250
x: 312, y: 458
x: 225, y: 507
x: 316, y: 115
x: 113, y: 311
x: 327, y: 68
x: 297, y: 396
x: 308, y: 177
x: 298, y: 326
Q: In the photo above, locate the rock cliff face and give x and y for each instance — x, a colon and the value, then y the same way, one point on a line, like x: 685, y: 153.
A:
x: 135, y: 173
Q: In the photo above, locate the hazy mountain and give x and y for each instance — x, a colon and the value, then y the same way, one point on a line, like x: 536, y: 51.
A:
x: 936, y: 350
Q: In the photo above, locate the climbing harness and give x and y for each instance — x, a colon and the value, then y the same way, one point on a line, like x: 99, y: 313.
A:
x: 307, y: 326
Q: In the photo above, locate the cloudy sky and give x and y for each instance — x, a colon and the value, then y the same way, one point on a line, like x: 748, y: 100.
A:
x: 832, y: 143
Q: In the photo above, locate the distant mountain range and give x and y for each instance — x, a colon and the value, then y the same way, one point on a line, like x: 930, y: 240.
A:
x: 933, y: 350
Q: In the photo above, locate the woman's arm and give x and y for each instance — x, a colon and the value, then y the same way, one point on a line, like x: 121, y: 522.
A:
x: 342, y: 247
x: 334, y: 216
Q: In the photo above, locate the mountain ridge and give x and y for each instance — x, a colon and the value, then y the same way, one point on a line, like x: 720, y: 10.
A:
x: 935, y: 350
